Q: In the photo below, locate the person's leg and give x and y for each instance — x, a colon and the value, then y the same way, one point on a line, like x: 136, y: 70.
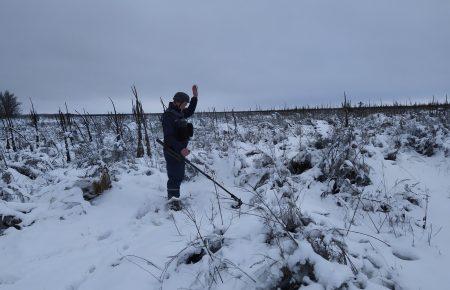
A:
x: 173, y: 183
x: 178, y: 176
x: 175, y: 174
x: 173, y: 188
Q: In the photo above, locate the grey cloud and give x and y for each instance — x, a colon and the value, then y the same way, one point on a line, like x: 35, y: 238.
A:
x: 241, y: 53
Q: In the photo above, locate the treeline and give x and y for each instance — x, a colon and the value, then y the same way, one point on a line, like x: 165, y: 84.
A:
x: 10, y: 107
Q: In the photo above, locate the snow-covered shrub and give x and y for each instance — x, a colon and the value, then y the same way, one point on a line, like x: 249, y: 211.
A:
x: 300, y: 163
x: 327, y: 246
x: 343, y: 162
x: 7, y: 221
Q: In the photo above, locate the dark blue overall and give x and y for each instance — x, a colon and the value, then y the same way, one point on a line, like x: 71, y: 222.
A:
x: 175, y: 168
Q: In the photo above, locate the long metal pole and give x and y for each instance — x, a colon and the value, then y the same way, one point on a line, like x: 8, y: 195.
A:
x: 179, y: 157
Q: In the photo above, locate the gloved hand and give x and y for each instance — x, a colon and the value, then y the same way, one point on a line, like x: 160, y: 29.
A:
x: 194, y: 91
x: 185, y: 152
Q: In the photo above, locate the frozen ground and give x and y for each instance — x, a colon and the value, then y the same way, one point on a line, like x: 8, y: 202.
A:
x: 127, y: 239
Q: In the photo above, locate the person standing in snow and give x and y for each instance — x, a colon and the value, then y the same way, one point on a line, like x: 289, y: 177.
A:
x: 177, y: 132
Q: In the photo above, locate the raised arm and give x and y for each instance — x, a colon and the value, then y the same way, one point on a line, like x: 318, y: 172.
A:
x: 193, y: 104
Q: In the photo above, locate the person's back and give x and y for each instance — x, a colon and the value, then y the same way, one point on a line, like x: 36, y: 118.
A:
x: 177, y: 132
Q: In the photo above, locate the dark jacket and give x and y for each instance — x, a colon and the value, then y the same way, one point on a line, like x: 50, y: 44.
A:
x: 168, y: 122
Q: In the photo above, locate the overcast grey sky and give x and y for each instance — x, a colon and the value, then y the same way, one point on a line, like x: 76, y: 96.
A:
x: 241, y: 53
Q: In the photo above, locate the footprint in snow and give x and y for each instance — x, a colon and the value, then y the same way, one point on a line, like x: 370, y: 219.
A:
x: 143, y: 210
x: 156, y: 221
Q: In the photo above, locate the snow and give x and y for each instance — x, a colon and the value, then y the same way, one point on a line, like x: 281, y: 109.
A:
x: 127, y: 239
x: 430, y: 271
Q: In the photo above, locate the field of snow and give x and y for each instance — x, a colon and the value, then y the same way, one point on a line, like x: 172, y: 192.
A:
x: 325, y: 206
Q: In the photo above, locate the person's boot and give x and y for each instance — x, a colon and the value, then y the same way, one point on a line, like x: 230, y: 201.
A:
x: 174, y: 204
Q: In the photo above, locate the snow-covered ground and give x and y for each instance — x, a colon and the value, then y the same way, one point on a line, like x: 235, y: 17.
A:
x: 126, y: 238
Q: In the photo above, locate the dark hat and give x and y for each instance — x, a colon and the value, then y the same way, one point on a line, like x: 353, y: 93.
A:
x: 181, y: 97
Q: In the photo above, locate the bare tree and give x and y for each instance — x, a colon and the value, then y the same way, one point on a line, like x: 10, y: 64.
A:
x: 86, y: 123
x: 346, y: 105
x: 69, y: 123
x: 34, y: 118
x: 64, y: 120
x: 141, y: 122
x: 118, y: 122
